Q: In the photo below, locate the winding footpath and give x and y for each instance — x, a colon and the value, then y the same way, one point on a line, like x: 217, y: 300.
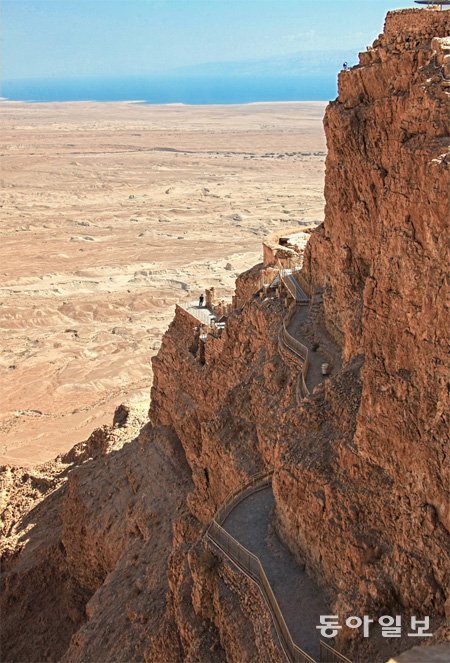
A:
x: 298, y: 596
x: 296, y: 327
x: 245, y: 524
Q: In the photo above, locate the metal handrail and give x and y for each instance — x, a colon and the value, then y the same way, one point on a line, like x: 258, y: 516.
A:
x: 287, y: 339
x: 288, y: 278
x: 330, y: 655
x: 294, y: 288
x: 289, y: 285
x: 295, y: 346
x: 250, y: 562
x: 234, y: 497
x: 251, y: 566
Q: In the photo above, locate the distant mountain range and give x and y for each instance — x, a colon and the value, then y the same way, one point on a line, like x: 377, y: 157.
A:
x: 303, y: 76
x: 303, y: 63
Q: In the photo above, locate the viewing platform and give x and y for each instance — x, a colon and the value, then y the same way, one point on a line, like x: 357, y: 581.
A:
x: 201, y: 314
x: 208, y: 311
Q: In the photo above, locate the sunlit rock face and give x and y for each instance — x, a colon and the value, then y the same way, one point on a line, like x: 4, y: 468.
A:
x: 112, y: 533
x: 367, y: 504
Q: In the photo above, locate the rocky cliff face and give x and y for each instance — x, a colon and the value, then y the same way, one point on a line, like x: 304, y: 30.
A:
x: 104, y: 556
x: 380, y: 258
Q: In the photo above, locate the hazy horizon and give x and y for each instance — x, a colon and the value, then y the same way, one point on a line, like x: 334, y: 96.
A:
x: 297, y: 77
x: 170, y: 51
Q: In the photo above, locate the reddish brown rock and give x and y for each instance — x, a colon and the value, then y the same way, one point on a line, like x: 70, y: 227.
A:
x: 112, y: 536
x: 370, y: 512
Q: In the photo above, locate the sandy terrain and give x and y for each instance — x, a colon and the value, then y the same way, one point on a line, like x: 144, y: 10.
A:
x: 110, y: 214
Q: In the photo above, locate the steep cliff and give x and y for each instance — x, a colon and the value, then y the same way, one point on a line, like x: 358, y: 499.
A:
x: 105, y: 556
x: 380, y: 258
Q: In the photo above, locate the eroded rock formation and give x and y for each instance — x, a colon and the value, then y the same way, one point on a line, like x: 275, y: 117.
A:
x: 380, y: 259
x: 104, y: 553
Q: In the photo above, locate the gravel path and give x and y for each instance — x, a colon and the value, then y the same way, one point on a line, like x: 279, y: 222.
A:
x: 300, y: 327
x: 300, y: 600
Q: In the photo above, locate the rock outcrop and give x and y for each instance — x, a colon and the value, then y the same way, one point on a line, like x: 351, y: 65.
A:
x: 380, y: 259
x: 105, y: 556
x: 373, y: 515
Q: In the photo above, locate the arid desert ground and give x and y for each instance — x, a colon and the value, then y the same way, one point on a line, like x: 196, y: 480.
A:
x: 111, y: 213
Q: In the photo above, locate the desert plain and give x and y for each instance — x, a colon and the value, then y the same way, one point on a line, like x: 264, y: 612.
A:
x: 110, y: 214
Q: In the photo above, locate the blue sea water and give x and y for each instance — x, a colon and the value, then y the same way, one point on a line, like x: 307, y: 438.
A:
x: 175, y: 89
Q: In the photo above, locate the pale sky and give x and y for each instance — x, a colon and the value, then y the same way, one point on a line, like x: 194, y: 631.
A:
x: 61, y: 38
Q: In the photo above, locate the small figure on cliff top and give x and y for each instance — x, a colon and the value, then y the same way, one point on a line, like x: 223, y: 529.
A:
x: 200, y: 301
x: 345, y: 66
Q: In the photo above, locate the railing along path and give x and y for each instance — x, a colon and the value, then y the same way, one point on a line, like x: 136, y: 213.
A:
x: 287, y: 339
x: 292, y: 285
x: 330, y: 655
x: 251, y: 566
